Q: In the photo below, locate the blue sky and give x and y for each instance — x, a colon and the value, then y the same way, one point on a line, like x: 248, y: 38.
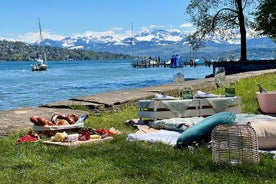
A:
x: 19, y: 18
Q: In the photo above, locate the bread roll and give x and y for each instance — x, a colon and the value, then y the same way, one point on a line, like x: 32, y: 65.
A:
x: 72, y: 118
x: 63, y: 122
x: 44, y: 121
x: 35, y: 121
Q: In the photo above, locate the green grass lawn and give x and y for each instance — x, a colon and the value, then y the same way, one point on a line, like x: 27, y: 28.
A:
x: 121, y: 161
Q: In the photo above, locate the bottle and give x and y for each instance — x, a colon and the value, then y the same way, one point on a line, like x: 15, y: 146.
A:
x: 261, y: 89
x: 82, y: 118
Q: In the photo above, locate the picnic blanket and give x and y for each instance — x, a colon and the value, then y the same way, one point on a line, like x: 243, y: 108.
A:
x: 164, y: 136
x: 170, y: 137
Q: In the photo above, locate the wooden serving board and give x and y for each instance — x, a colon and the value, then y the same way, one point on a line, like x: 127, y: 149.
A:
x: 77, y: 143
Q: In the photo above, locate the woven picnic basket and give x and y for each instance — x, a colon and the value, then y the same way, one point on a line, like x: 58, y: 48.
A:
x: 234, y: 144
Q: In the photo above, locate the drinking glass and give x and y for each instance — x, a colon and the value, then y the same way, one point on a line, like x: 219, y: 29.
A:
x: 179, y: 79
x: 219, y: 76
x: 230, y: 90
x: 187, y: 93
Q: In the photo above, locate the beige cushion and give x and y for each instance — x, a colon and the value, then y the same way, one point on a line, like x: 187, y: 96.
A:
x: 266, y: 132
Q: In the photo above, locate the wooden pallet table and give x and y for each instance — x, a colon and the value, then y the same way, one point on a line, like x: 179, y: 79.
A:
x: 171, y: 108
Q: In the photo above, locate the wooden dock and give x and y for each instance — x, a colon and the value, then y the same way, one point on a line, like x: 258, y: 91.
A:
x: 165, y: 64
x: 149, y: 64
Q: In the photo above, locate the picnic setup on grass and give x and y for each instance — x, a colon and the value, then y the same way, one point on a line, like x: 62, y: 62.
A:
x: 215, y: 120
x: 184, y: 122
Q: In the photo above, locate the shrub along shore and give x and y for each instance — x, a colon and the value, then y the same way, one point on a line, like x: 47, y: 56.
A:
x: 121, y: 161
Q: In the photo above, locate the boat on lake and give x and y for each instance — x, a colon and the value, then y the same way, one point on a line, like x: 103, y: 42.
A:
x: 41, y: 61
x: 176, y: 61
x: 40, y: 65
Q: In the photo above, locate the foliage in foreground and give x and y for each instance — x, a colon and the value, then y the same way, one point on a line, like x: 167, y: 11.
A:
x: 266, y: 18
x: 121, y: 161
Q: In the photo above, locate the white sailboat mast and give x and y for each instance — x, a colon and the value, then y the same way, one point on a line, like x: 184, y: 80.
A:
x: 40, y: 31
x: 132, y: 49
x: 41, y: 39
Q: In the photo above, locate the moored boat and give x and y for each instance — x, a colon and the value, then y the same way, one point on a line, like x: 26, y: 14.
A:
x: 176, y: 61
x: 41, y: 64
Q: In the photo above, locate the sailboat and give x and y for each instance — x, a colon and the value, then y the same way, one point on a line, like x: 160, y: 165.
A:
x: 41, y: 64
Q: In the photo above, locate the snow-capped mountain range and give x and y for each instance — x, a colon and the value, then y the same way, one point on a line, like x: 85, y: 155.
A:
x: 165, y: 43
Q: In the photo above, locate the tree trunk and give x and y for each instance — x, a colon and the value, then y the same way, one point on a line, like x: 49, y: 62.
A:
x: 243, y: 56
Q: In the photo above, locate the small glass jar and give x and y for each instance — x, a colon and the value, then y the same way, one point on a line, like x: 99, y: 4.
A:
x: 230, y: 90
x: 187, y: 93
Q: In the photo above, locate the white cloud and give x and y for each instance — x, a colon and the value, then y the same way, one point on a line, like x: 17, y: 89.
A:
x: 187, y: 28
x: 115, y: 34
x: 152, y: 26
x: 156, y: 26
x: 187, y: 25
x: 104, y: 34
x: 32, y: 37
x: 116, y: 28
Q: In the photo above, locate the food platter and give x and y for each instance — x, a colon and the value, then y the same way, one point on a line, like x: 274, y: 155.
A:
x: 78, y: 143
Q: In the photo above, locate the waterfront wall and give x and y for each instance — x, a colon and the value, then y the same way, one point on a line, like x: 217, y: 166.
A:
x: 233, y: 67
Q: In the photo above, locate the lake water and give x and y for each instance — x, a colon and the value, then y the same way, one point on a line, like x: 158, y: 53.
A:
x: 68, y: 79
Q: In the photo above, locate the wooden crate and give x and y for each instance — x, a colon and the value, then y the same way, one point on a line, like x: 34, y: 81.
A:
x: 155, y: 109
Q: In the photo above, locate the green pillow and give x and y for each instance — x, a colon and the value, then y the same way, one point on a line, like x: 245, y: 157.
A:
x: 204, y: 127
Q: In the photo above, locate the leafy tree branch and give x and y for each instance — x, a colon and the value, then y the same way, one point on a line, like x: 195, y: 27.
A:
x: 211, y: 16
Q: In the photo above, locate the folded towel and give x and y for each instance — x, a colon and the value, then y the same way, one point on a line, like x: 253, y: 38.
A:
x: 163, y: 136
x: 161, y: 96
x: 205, y: 95
x: 175, y: 124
